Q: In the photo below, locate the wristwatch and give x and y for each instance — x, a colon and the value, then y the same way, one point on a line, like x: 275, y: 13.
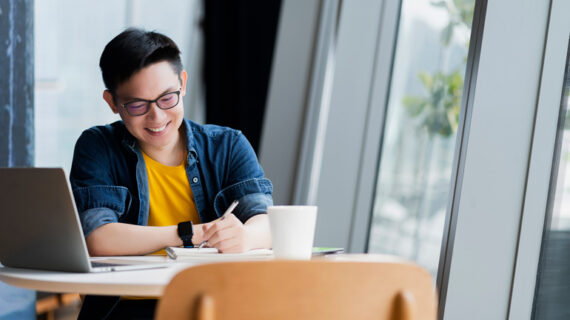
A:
x: 185, y: 232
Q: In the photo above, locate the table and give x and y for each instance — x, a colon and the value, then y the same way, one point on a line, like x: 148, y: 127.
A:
x: 143, y: 283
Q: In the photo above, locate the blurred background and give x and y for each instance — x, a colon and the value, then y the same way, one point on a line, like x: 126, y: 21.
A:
x: 354, y: 106
x: 237, y: 79
x: 227, y: 48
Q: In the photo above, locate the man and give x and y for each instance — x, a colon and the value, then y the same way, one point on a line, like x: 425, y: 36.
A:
x: 155, y: 179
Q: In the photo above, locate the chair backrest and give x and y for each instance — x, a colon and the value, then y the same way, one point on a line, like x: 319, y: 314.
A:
x: 300, y: 290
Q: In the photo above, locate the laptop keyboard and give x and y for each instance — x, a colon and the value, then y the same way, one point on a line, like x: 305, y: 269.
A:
x: 95, y: 264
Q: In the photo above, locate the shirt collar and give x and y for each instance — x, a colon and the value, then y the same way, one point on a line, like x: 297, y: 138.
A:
x: 128, y: 140
x: 189, y: 139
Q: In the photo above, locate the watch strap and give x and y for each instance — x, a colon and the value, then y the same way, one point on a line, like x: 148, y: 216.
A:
x: 186, y: 232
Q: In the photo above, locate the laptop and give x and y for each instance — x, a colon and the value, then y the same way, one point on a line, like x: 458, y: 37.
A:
x: 40, y: 227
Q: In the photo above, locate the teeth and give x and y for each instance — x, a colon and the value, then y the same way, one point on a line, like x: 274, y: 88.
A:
x: 157, y: 129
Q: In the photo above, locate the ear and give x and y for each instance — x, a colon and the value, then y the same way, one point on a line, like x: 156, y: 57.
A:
x: 108, y: 97
x: 183, y: 78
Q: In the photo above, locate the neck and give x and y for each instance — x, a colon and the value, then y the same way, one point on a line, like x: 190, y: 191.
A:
x: 171, y: 154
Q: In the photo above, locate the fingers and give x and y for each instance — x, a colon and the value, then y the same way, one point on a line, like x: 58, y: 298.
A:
x: 227, y: 235
x: 233, y: 249
x: 232, y: 245
x: 228, y: 246
x: 220, y: 236
x: 210, y: 228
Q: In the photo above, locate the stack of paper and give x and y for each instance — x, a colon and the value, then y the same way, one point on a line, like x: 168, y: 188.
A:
x: 212, y: 254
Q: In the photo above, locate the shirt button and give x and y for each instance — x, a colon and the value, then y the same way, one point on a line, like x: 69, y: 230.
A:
x: 195, y: 180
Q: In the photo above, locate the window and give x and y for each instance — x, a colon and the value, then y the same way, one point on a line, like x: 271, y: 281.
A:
x: 419, y: 140
x: 69, y: 39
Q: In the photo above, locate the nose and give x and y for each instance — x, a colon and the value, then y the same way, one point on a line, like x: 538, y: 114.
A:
x: 155, y: 113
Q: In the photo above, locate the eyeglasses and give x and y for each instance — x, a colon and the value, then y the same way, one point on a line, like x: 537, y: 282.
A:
x: 140, y: 106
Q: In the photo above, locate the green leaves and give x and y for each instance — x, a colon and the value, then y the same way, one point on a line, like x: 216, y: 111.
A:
x: 438, y: 110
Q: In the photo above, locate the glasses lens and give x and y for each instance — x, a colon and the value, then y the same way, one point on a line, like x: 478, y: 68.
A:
x: 136, y: 108
x: 168, y: 100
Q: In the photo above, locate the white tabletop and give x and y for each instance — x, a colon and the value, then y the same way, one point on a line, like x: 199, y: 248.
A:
x: 143, y: 283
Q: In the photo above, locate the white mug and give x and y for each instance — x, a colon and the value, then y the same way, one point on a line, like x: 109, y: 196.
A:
x: 292, y: 231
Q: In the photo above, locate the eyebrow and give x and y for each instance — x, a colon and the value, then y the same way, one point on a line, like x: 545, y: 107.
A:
x: 170, y: 89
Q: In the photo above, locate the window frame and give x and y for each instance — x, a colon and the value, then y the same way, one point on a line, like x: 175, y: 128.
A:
x: 542, y: 162
x: 492, y: 154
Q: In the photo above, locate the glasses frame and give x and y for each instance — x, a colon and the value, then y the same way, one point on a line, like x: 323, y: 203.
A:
x: 150, y: 102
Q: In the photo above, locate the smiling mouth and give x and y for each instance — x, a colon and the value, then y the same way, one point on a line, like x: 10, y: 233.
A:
x: 158, y: 129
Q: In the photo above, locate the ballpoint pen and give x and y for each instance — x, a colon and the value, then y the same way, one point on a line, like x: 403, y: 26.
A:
x: 228, y: 211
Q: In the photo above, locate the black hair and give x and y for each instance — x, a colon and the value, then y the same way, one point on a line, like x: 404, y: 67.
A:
x: 131, y: 51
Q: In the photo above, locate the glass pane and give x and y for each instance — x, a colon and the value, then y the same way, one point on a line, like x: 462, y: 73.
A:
x: 69, y: 39
x: 419, y: 139
x: 551, y: 300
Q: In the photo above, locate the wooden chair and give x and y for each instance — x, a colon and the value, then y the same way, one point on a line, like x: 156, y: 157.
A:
x: 315, y: 289
x: 48, y: 303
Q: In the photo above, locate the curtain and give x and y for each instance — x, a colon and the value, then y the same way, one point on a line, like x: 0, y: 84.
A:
x: 239, y: 38
x: 16, y: 120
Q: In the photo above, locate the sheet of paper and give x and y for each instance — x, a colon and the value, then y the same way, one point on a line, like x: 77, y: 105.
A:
x: 179, y: 253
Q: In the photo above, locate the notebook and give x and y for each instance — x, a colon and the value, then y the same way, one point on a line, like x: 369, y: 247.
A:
x: 40, y: 227
x: 211, y: 254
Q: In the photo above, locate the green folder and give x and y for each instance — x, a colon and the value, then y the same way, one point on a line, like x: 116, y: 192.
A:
x: 326, y: 250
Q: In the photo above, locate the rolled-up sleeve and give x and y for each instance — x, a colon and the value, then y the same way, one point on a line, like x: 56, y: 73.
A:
x: 99, y: 205
x: 254, y: 197
x: 99, y: 201
x: 245, y: 182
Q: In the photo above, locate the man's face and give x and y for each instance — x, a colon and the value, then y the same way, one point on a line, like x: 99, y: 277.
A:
x: 157, y: 129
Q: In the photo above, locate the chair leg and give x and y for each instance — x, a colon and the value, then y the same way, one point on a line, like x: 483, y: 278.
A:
x: 404, y: 306
x: 205, y: 308
x: 48, y: 305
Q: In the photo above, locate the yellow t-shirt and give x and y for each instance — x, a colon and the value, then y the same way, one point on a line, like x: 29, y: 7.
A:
x: 170, y: 196
x: 171, y: 199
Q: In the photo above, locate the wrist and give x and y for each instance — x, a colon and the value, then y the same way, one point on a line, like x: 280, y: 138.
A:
x: 175, y: 240
x: 198, y: 234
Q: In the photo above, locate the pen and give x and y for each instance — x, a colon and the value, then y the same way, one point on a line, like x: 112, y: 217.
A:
x: 228, y: 211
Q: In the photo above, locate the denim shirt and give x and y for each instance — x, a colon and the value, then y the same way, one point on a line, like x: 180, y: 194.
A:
x: 110, y: 184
